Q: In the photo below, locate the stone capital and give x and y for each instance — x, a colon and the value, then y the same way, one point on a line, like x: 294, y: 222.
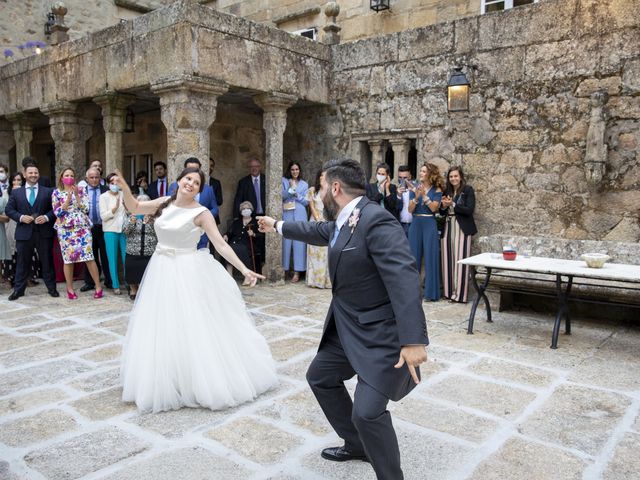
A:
x: 21, y: 120
x: 274, y: 102
x: 179, y: 88
x: 399, y: 142
x: 113, y: 101
x: 114, y: 106
x: 61, y: 112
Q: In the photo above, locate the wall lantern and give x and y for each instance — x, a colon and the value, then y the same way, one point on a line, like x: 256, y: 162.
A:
x: 129, y: 125
x: 458, y: 91
x: 379, y: 5
x: 51, y: 20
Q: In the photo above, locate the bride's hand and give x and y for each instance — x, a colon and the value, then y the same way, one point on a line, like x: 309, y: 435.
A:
x: 252, y: 277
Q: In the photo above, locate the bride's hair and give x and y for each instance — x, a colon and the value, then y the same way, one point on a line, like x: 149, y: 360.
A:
x: 184, y: 172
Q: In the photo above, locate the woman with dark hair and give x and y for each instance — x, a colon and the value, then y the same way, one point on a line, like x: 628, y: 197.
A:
x: 112, y: 213
x: 382, y: 191
x: 16, y: 180
x: 458, y: 203
x: 423, y: 233
x: 190, y: 340
x: 71, y: 208
x: 317, y: 257
x: 141, y: 185
x: 294, y: 206
x: 5, y: 252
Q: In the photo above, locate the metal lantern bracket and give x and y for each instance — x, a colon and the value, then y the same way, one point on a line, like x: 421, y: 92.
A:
x: 379, y: 5
x: 51, y: 20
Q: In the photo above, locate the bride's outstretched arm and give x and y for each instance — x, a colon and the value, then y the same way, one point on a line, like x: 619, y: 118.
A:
x: 132, y: 204
x: 206, y: 221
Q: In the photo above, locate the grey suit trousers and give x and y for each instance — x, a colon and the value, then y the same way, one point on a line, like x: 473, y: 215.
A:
x: 364, y: 424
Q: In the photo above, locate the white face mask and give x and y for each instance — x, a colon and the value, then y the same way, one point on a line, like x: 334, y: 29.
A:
x: 381, y: 178
x: 245, y: 212
x: 3, y: 176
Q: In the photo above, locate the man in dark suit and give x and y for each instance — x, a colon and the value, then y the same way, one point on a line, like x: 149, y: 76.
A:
x: 94, y: 190
x: 160, y: 186
x: 206, y: 197
x: 252, y: 189
x: 30, y: 207
x: 217, y: 187
x: 375, y: 327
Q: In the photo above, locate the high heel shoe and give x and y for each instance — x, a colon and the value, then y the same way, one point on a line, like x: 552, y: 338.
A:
x: 71, y: 295
x: 98, y: 294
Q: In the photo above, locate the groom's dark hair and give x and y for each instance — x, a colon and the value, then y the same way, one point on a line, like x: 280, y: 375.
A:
x: 348, y: 172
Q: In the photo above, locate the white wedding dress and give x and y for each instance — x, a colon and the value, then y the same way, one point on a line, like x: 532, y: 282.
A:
x: 190, y: 340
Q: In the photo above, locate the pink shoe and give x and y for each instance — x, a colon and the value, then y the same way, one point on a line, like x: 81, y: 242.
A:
x: 98, y: 294
x: 71, y: 295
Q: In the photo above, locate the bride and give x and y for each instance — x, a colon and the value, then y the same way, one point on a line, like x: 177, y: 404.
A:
x: 190, y: 340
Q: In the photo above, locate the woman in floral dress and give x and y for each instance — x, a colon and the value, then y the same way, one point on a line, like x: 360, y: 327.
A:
x: 71, y: 207
x: 317, y: 257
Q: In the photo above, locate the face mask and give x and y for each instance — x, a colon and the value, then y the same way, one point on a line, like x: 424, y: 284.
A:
x: 381, y: 178
x: 68, y: 181
x: 3, y: 177
x: 114, y: 188
x: 245, y: 212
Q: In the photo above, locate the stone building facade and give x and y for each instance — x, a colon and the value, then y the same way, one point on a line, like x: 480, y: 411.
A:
x: 551, y: 142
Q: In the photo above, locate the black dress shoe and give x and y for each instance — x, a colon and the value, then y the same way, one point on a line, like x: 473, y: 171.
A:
x: 54, y: 293
x: 340, y: 454
x: 86, y: 287
x: 15, y: 295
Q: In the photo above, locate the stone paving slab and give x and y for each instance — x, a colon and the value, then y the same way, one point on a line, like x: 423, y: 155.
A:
x: 497, y: 404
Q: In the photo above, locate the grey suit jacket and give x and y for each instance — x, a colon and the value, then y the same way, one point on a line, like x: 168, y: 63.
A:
x: 376, y: 304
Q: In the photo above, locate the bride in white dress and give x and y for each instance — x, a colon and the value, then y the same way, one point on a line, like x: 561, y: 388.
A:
x: 190, y: 340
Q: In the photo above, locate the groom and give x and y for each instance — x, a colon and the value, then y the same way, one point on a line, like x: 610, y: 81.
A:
x: 375, y: 327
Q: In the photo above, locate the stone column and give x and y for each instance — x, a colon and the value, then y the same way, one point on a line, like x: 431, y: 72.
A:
x: 378, y: 149
x: 188, y: 109
x: 70, y: 134
x: 114, y: 110
x: 7, y: 141
x: 274, y: 122
x: 22, y: 134
x: 400, y: 148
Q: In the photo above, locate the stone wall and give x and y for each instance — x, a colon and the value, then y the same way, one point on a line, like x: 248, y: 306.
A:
x: 523, y: 143
x: 356, y: 18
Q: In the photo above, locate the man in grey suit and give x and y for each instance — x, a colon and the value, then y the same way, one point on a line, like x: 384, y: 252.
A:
x: 375, y: 327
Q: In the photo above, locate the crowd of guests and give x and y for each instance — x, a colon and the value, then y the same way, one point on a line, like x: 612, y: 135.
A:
x: 91, y: 226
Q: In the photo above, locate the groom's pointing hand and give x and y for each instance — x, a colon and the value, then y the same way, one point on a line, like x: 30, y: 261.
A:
x: 413, y: 356
x: 266, y: 224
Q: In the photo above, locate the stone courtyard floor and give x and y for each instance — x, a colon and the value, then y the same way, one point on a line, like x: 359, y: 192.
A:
x: 496, y: 405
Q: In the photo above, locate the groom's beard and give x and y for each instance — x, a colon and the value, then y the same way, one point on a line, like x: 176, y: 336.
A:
x: 331, y: 207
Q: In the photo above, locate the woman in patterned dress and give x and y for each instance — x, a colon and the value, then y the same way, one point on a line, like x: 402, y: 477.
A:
x: 71, y: 207
x: 317, y: 257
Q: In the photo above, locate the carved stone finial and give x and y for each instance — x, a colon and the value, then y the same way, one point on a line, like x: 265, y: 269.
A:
x: 331, y: 29
x: 59, y: 29
x: 595, y: 158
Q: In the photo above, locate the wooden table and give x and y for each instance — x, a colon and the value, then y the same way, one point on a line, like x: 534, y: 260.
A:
x: 559, y: 268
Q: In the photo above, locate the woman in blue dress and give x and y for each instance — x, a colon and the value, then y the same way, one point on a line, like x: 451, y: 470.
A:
x: 294, y: 207
x: 423, y: 233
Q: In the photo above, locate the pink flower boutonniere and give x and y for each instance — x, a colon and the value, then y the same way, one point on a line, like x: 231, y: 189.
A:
x: 353, y: 219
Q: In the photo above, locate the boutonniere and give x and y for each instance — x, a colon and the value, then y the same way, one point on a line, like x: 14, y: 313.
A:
x: 353, y: 219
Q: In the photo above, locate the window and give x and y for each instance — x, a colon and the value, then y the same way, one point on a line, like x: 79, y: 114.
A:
x: 133, y: 164
x: 310, y: 33
x: 497, y: 5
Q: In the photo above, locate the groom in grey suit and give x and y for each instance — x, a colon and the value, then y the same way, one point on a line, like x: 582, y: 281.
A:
x: 375, y: 327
